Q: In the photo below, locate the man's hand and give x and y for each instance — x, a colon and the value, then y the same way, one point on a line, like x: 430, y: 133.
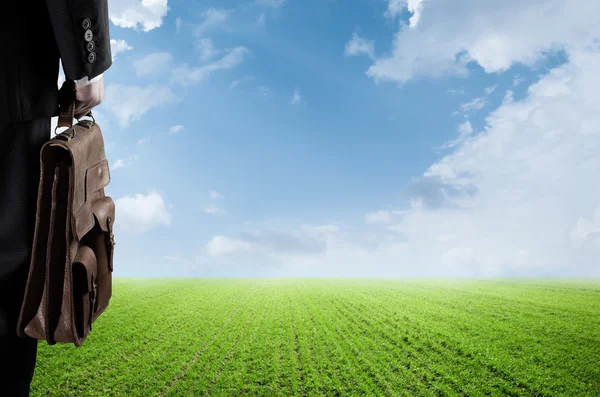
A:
x: 88, y: 96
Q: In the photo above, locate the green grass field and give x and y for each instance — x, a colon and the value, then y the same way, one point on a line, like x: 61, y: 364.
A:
x: 334, y: 337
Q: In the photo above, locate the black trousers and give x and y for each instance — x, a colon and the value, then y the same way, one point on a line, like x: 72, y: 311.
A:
x: 20, y: 144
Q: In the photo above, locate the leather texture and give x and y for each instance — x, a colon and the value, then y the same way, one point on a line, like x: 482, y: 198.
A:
x: 69, y: 284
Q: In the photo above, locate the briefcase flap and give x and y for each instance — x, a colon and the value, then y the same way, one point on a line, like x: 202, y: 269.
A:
x: 91, y: 173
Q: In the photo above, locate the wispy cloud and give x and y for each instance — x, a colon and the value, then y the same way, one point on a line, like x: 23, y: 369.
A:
x: 213, y: 209
x: 271, y: 3
x: 120, y: 163
x: 473, y: 105
x: 478, y: 103
x: 129, y: 102
x: 189, y: 75
x: 213, y: 18
x: 176, y: 129
x: 214, y: 195
x: 465, y: 130
x: 152, y: 64
x: 490, y: 89
x: 206, y: 49
x: 296, y: 98
x: 357, y: 46
x: 381, y: 216
x: 517, y: 80
x: 264, y: 92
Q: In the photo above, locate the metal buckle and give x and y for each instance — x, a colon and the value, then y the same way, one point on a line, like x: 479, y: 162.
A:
x: 85, y: 123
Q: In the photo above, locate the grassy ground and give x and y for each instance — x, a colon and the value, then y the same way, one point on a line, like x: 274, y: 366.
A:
x: 346, y: 337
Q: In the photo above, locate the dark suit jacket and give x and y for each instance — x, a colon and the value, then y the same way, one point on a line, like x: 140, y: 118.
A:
x: 34, y: 34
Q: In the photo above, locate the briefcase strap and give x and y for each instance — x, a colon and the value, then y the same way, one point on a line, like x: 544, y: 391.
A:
x: 65, y: 119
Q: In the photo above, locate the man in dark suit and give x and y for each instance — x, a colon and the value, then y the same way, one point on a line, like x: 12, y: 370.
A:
x: 34, y: 34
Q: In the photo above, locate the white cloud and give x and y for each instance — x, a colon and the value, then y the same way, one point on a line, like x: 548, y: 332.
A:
x: 395, y: 7
x: 147, y: 14
x: 176, y: 129
x: 296, y: 98
x: 131, y: 102
x: 141, y: 212
x: 517, y: 198
x: 528, y: 176
x: 213, y: 18
x: 415, y: 7
x: 117, y: 46
x: 381, y: 216
x: 153, y: 63
x: 188, y: 75
x: 178, y: 24
x: 357, y: 46
x: 495, y: 35
x: 213, y: 209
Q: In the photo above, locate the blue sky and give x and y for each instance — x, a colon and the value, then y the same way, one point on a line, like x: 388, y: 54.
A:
x: 364, y: 138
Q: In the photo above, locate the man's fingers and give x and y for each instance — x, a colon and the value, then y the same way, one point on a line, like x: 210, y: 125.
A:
x: 89, y: 97
x: 82, y: 108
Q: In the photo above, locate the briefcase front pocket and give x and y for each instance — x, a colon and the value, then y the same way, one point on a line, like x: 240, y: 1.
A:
x: 85, y: 274
x: 100, y: 239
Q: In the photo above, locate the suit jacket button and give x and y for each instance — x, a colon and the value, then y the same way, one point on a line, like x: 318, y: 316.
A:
x: 90, y: 46
x: 91, y: 57
x: 88, y: 35
x: 86, y: 23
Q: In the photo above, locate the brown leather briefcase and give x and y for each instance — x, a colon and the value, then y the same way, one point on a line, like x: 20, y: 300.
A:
x: 69, y: 282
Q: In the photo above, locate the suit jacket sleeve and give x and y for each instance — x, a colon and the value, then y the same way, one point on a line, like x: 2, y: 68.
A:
x: 82, y: 36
